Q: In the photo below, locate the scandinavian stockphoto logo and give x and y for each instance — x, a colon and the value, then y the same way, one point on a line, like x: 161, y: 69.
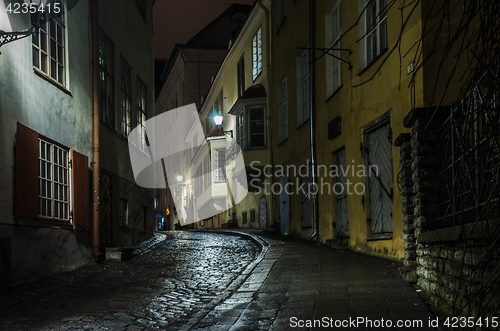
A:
x: 179, y: 153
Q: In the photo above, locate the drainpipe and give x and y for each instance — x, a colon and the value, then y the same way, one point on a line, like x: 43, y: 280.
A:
x: 314, y: 235
x: 269, y: 103
x: 95, y: 127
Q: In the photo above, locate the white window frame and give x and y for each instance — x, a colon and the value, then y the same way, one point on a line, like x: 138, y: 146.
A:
x: 333, y: 33
x: 283, y: 109
x: 303, y: 86
x: 51, y: 158
x: 55, y: 64
x: 372, y: 30
x: 257, y: 53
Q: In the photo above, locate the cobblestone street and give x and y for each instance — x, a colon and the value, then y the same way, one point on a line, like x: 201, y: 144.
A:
x: 212, y: 281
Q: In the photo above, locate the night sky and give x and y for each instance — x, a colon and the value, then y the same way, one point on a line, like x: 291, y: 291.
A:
x: 177, y: 21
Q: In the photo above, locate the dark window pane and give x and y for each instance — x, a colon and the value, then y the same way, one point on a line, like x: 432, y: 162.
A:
x: 257, y: 140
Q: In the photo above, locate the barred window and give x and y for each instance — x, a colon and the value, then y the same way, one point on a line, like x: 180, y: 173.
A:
x: 53, y: 181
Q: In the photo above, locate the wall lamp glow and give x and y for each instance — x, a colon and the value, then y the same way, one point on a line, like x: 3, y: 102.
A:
x: 218, y: 121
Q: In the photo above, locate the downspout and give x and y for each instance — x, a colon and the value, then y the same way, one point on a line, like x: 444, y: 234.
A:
x: 311, y: 117
x: 269, y: 103
x: 95, y: 128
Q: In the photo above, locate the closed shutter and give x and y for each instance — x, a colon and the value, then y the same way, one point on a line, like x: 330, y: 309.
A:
x: 80, y: 189
x: 26, y: 173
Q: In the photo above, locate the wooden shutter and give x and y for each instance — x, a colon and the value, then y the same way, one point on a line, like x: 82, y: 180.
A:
x: 26, y: 173
x: 80, y: 189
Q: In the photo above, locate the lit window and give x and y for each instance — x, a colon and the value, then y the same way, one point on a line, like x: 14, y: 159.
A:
x: 220, y: 166
x: 283, y: 109
x: 106, y: 80
x: 302, y: 87
x: 257, y: 53
x: 48, y: 46
x: 126, y: 99
x: 141, y: 115
x: 333, y: 23
x: 53, y: 181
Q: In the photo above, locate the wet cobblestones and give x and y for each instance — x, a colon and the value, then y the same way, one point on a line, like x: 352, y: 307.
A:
x: 167, y: 282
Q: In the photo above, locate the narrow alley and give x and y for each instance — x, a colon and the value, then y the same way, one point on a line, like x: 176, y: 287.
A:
x: 218, y: 281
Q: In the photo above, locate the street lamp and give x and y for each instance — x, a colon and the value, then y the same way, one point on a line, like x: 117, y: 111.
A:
x: 179, y: 178
x: 218, y: 121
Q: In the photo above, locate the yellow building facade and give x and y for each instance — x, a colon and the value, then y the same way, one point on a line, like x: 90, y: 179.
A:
x: 364, y: 61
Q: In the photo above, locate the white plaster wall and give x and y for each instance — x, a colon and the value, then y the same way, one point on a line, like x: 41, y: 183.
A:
x: 38, y: 248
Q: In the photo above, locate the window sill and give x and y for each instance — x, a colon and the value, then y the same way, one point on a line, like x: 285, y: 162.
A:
x: 334, y: 93
x: 55, y: 222
x: 44, y: 76
x: 369, y: 65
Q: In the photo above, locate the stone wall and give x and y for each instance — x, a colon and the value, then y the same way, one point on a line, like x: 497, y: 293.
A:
x: 452, y: 263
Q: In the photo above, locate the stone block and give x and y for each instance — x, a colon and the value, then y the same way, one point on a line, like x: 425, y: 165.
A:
x: 436, y: 251
x: 408, y: 245
x: 410, y: 255
x: 458, y: 255
x: 119, y: 254
x: 408, y: 227
x: 409, y: 238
